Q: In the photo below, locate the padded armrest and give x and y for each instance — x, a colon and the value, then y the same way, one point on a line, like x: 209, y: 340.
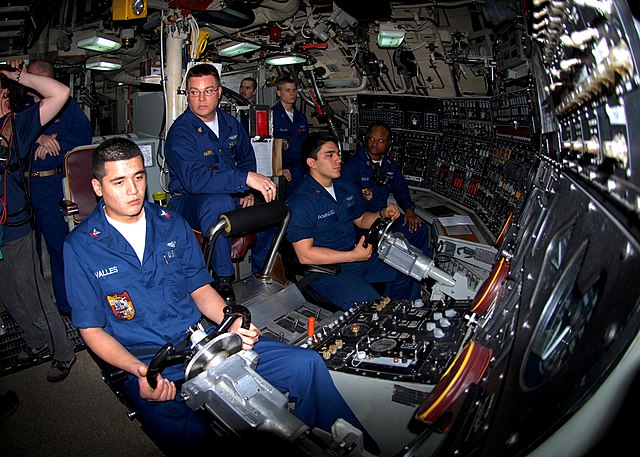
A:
x: 316, y: 270
x: 68, y: 207
x: 331, y: 269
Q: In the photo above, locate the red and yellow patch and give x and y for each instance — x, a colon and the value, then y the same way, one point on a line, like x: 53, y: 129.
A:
x: 122, y: 306
x: 367, y: 193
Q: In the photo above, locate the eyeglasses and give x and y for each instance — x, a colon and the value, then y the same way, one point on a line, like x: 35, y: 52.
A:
x: 208, y: 92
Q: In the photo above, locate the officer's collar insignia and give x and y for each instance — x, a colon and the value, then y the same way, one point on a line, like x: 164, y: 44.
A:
x: 171, y: 244
x: 199, y: 129
x: 164, y: 214
x: 122, y: 306
x: 95, y: 233
x: 317, y: 192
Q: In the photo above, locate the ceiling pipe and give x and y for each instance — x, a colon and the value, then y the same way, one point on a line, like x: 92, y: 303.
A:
x: 268, y: 11
x: 175, y: 42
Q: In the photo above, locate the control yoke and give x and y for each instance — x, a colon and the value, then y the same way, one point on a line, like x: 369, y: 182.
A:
x: 168, y: 355
x: 394, y: 249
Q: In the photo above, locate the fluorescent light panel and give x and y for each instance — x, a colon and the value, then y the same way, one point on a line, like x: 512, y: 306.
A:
x: 103, y: 64
x: 285, y: 60
x: 99, y: 43
x: 237, y: 49
x: 390, y: 37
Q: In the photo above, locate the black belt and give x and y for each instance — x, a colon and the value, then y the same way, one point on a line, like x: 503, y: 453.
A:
x: 43, y: 173
x: 181, y: 346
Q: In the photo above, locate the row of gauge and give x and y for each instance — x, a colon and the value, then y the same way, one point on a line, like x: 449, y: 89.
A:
x: 553, y: 321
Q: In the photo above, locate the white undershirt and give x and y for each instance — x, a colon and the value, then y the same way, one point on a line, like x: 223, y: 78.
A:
x: 332, y: 191
x: 290, y: 114
x: 213, y: 125
x: 134, y: 233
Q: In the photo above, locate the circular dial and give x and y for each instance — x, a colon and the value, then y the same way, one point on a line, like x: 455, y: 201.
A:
x: 554, y: 258
x: 383, y: 345
x: 561, y: 325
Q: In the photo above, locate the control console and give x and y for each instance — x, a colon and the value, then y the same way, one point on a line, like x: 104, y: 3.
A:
x: 411, y: 341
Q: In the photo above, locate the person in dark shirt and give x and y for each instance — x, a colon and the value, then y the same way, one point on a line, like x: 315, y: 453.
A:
x: 24, y: 291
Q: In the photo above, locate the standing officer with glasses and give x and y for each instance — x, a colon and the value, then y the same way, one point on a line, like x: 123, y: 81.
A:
x: 212, y: 168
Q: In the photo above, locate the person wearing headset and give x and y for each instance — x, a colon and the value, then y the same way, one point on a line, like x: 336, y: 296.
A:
x: 376, y: 177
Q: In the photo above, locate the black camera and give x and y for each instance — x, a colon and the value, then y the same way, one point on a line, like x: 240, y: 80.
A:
x: 7, y: 67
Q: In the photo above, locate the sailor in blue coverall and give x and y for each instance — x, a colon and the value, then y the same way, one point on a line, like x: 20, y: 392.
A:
x: 212, y: 166
x: 147, y: 298
x: 376, y: 177
x: 291, y: 125
x: 70, y: 129
x: 23, y: 289
x: 322, y: 229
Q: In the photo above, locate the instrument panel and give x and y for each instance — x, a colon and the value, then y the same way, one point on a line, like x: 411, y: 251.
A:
x: 477, y: 151
x: 411, y: 341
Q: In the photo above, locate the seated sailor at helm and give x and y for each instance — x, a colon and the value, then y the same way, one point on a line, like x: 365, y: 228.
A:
x: 325, y: 211
x: 139, y: 281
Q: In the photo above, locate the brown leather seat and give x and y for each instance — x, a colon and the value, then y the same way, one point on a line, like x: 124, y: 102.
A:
x: 77, y: 169
x: 239, y: 247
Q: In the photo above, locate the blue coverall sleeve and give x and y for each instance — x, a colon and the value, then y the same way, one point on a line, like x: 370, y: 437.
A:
x: 78, y: 126
x: 82, y: 289
x: 400, y: 190
x: 193, y: 264
x: 27, y: 127
x: 301, y: 226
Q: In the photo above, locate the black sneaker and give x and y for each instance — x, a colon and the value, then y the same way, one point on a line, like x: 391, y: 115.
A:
x: 59, y: 370
x: 224, y: 286
x: 8, y: 403
x: 30, y: 354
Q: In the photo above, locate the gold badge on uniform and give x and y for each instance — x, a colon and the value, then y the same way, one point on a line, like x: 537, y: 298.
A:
x: 367, y: 193
x: 121, y: 306
x: 199, y: 129
x: 285, y: 144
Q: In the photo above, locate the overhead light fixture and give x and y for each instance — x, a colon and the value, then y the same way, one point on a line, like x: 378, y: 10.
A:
x: 288, y: 59
x: 102, y: 63
x: 100, y: 43
x: 390, y: 36
x: 238, y: 49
